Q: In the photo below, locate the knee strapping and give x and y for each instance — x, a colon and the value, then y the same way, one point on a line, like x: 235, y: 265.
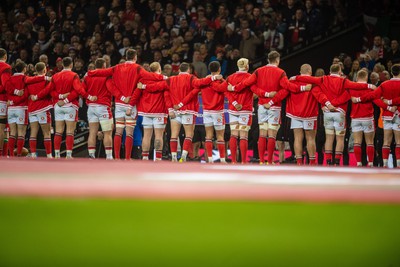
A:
x: 219, y: 127
x: 264, y: 126
x: 106, y: 125
x: 329, y: 131
x: 274, y: 127
x: 244, y: 128
x: 130, y: 123
x: 234, y: 127
x: 120, y: 124
x: 341, y: 133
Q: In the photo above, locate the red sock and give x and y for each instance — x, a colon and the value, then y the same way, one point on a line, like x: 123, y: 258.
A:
x: 117, y: 146
x: 338, y: 157
x: 397, y: 153
x: 271, y: 148
x: 47, y: 145
x: 173, y: 145
x: 371, y: 153
x: 262, y: 143
x: 187, y: 144
x: 357, y: 152
x: 312, y: 161
x: 128, y: 146
x: 385, y: 152
x: 299, y: 160
x: 158, y: 154
x: 328, y: 156
x: 233, y: 148
x: 11, y: 145
x: 209, y: 147
x: 69, y: 142
x: 244, y: 144
x: 191, y: 154
x: 32, y: 144
x: 20, y: 145
x: 5, y: 148
x: 57, y: 141
x: 221, y: 149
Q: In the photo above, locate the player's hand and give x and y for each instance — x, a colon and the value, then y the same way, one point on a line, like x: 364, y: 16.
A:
x: 140, y: 85
x: 176, y: 107
x: 127, y: 99
x: 100, y: 136
x: 354, y: 99
x: 9, y: 103
x: 20, y: 92
x: 33, y: 97
x: 64, y: 96
x: 272, y: 94
x: 325, y: 109
x: 331, y: 107
x: 267, y: 106
x: 60, y: 103
x: 392, y: 109
x: 238, y: 107
x: 230, y: 88
x: 373, y: 86
x: 128, y: 112
x: 92, y: 98
x: 172, y: 115
x: 308, y: 87
x: 386, y: 101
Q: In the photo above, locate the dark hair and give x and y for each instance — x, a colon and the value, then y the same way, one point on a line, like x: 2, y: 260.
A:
x: 273, y: 56
x: 395, y: 70
x: 3, y: 52
x: 130, y: 54
x: 99, y: 63
x: 214, y: 66
x: 67, y: 61
x: 184, y: 67
x: 19, y: 66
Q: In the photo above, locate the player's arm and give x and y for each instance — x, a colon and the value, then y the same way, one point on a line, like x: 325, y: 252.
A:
x: 357, y: 86
x: 309, y: 79
x: 194, y: 93
x: 342, y: 99
x: 377, y: 93
x: 197, y: 83
x: 36, y: 79
x: 167, y: 99
x: 282, y: 94
x: 144, y: 74
x: 155, y: 87
x: 219, y: 86
x: 137, y: 93
x: 5, y: 76
x: 379, y: 102
x: 48, y: 90
x: 101, y: 72
x: 394, y: 101
x: 252, y: 79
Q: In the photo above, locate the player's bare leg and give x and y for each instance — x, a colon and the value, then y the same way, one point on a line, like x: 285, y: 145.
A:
x: 358, y: 138
x: 397, y: 140
x: 119, y: 131
x: 187, y: 144
x: 311, y: 145
x: 158, y: 142
x: 298, y: 145
x: 272, y: 132
x: 69, y: 142
x: 130, y: 124
x: 60, y: 126
x: 221, y: 143
x: 46, y: 130
x: 369, y: 140
x: 175, y: 129
x: 339, y: 146
x: 147, y: 135
x: 12, y: 139
x: 2, y: 133
x: 244, y: 143
x: 262, y: 142
x: 33, y: 138
x: 387, y: 141
x: 93, y: 129
x: 21, y: 138
x: 233, y: 141
x: 329, y: 139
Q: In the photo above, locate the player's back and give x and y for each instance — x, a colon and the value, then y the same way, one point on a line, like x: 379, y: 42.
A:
x: 97, y: 86
x: 126, y: 76
x: 5, y: 72
x: 244, y: 97
x: 333, y: 86
x: 17, y: 82
x: 180, y: 86
x: 212, y: 100
x: 34, y: 89
x: 269, y: 77
x: 63, y: 81
x: 391, y: 88
x: 301, y: 105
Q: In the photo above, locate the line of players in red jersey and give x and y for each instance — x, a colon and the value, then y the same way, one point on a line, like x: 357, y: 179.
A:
x: 156, y: 97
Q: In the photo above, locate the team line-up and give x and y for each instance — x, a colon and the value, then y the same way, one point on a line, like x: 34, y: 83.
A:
x: 157, y: 97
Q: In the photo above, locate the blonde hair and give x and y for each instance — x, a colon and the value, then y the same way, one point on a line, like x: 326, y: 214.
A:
x: 242, y: 64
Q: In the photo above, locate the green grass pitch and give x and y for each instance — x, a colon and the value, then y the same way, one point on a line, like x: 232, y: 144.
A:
x: 98, y: 232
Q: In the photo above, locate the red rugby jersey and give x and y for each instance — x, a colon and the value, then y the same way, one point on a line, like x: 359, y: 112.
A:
x: 5, y: 74
x: 101, y: 87
x: 19, y: 81
x: 40, y: 105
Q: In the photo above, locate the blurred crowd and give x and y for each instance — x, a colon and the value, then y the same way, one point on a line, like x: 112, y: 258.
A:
x: 166, y: 32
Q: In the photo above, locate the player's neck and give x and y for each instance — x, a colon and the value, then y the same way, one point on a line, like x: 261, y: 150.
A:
x: 2, y: 60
